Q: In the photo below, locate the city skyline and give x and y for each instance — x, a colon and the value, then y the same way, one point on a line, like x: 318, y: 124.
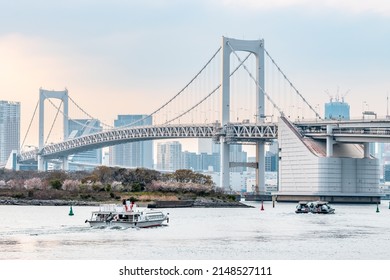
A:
x: 136, y: 154
x: 151, y: 49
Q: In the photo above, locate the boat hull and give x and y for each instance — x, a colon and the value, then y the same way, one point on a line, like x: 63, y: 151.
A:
x: 114, y: 216
x: 125, y: 224
x: 140, y: 224
x: 98, y: 224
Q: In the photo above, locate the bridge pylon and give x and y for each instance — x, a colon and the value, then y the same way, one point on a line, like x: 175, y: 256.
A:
x: 45, y: 94
x: 257, y: 48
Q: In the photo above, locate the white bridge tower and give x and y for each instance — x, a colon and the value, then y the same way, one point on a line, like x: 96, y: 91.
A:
x: 257, y: 48
x: 43, y: 94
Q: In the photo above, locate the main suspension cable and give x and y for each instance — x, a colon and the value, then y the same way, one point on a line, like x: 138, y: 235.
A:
x: 256, y: 82
x: 291, y: 84
x: 52, y: 125
x: 86, y: 113
x: 211, y: 93
x: 29, y: 126
x: 67, y: 116
x: 176, y: 95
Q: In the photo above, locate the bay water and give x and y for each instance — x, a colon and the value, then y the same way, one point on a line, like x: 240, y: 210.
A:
x: 354, y: 232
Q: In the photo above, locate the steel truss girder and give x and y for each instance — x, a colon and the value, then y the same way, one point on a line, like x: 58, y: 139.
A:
x: 237, y: 132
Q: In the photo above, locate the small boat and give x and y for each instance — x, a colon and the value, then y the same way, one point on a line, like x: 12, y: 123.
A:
x: 302, y: 207
x: 315, y: 207
x: 126, y: 216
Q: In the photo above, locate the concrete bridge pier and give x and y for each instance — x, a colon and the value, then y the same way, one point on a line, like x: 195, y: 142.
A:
x: 329, y: 140
x: 65, y: 163
x: 225, y: 159
x: 41, y: 163
x: 260, y: 171
x: 366, y: 150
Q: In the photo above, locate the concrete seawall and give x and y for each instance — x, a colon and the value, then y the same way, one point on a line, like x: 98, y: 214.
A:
x: 199, y: 202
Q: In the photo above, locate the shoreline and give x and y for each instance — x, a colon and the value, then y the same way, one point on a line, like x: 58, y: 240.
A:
x: 44, y: 202
x: 197, y: 203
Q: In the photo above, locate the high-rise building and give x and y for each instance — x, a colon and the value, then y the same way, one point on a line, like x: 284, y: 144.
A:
x: 271, y: 162
x: 137, y: 154
x: 386, y: 173
x: 206, y: 145
x: 169, y: 156
x: 191, y: 161
x: 337, y: 110
x: 237, y: 155
x: 210, y: 162
x: 83, y: 127
x: 211, y: 155
x: 9, y: 128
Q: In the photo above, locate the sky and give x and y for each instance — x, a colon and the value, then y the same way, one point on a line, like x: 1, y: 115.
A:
x: 128, y: 57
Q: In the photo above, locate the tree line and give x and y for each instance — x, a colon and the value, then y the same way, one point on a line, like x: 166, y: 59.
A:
x: 109, y: 179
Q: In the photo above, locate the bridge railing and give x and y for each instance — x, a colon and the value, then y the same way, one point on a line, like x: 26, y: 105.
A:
x: 234, y: 132
x: 368, y: 131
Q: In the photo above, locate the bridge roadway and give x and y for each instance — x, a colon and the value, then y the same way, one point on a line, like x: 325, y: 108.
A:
x: 348, y: 131
x: 234, y: 132
x: 352, y: 131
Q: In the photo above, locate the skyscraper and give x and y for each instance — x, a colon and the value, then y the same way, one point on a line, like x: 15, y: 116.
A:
x: 237, y: 155
x: 211, y: 154
x: 169, y: 156
x: 206, y: 145
x: 337, y: 110
x: 9, y: 128
x: 82, y: 127
x: 137, y: 154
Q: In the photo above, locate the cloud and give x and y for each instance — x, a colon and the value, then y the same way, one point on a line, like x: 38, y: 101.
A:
x: 381, y: 7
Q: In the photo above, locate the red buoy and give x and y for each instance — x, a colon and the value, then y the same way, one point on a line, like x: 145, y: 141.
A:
x: 262, y: 206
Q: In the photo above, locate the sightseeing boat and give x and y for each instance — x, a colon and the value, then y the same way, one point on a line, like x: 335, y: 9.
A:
x: 315, y: 207
x: 126, y: 216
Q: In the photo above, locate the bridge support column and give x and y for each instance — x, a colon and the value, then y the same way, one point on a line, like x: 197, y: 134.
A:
x: 366, y: 150
x: 329, y: 140
x: 65, y: 163
x: 225, y: 159
x: 41, y: 164
x: 260, y: 171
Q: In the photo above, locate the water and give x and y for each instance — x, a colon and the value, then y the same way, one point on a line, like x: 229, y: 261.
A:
x: 47, y: 232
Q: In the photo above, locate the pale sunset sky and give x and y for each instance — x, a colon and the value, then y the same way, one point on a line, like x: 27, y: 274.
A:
x: 128, y: 57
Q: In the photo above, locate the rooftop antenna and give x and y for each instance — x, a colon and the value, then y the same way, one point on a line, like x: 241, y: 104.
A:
x: 330, y: 96
x: 344, y: 95
x: 338, y: 94
x: 387, y: 108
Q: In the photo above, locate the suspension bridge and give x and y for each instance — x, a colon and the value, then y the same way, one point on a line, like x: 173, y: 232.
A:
x: 227, y: 100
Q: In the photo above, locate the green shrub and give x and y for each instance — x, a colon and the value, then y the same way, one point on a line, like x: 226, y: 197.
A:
x: 56, y: 184
x: 19, y: 195
x: 85, y: 196
x: 30, y: 193
x: 137, y: 187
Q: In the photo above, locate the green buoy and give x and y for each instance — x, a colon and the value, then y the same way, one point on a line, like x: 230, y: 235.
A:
x: 377, y: 207
x: 389, y: 205
x: 71, y: 211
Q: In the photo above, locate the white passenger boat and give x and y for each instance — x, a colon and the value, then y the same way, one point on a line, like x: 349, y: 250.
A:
x: 315, y: 207
x: 126, y: 216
